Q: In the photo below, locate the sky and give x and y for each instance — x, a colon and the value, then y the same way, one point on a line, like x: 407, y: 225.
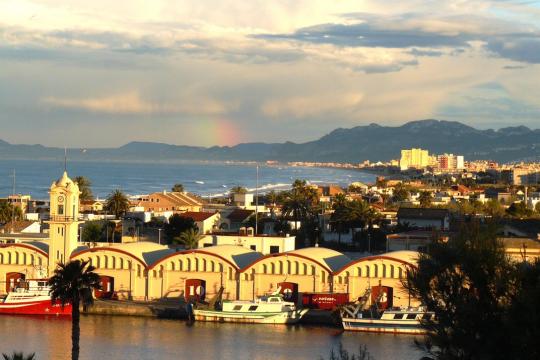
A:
x: 221, y: 72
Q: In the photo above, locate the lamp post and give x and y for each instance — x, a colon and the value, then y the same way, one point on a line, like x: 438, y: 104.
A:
x: 159, y: 236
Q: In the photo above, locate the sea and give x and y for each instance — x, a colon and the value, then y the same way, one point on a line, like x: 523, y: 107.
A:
x: 208, y: 180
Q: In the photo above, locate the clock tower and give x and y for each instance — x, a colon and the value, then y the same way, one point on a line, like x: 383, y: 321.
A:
x: 63, y: 222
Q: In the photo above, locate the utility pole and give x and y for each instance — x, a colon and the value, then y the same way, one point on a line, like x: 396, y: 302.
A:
x: 13, y: 205
x: 257, y: 202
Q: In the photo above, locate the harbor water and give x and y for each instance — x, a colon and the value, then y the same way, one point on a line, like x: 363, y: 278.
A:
x: 130, y: 338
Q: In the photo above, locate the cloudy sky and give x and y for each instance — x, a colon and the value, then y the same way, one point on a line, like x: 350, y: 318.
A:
x: 217, y: 72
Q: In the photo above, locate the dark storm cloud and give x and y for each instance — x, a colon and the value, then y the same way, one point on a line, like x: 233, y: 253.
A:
x: 368, y: 35
x: 502, y: 38
x: 523, y: 48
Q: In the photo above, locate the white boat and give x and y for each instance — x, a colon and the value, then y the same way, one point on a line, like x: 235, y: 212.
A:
x: 271, y: 309
x: 354, y: 317
x: 395, y: 321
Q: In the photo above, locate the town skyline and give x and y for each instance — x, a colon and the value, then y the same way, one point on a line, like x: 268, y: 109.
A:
x: 209, y: 73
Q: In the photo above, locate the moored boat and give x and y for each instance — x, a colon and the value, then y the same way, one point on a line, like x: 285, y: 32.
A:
x: 354, y: 316
x: 31, y: 297
x: 395, y: 321
x: 271, y: 309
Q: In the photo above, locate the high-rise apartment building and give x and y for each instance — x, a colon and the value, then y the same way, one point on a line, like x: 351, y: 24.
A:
x: 414, y: 158
x: 450, y: 162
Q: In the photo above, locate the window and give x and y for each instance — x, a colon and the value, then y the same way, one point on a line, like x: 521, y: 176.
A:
x: 411, y: 316
x: 398, y: 316
x: 60, y: 209
x: 207, y: 244
x: 426, y: 316
x: 274, y: 249
x: 253, y: 247
x: 253, y: 308
x: 237, y: 307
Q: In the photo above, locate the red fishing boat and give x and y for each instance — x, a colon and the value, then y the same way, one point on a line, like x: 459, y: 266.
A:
x: 31, y: 297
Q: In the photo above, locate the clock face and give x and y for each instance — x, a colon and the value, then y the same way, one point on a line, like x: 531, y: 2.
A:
x: 61, y: 199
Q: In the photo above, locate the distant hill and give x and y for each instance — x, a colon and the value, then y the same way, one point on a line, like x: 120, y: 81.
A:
x: 371, y: 142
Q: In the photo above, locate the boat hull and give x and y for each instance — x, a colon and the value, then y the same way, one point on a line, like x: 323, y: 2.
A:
x: 249, y: 318
x: 44, y: 307
x: 383, y: 326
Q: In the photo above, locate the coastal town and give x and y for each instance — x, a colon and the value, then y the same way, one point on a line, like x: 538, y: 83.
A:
x: 321, y: 246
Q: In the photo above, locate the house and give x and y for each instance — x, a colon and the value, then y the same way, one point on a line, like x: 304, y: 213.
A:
x: 329, y: 190
x: 91, y: 206
x: 416, y: 240
x: 424, y: 218
x: 236, y: 219
x: 265, y: 244
x: 206, y: 222
x: 167, y: 203
x: 244, y: 201
x: 21, y: 227
x: 501, y: 195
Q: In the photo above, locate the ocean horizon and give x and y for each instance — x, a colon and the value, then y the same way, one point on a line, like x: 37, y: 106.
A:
x: 206, y: 179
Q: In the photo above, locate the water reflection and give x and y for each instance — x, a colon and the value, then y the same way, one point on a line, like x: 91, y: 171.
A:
x: 148, y: 338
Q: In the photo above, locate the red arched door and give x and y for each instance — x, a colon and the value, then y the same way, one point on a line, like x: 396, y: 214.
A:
x: 107, y: 287
x: 13, y: 279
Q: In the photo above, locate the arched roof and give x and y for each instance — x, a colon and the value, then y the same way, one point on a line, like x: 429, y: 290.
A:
x: 405, y: 257
x: 36, y: 246
x: 329, y: 259
x: 145, y: 252
x: 237, y: 256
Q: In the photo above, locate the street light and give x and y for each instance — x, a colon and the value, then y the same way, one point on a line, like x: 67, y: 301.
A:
x: 159, y: 236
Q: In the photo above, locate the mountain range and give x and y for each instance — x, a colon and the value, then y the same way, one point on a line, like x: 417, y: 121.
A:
x: 370, y: 142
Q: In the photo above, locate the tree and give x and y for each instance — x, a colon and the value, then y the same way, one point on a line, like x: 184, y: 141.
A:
x: 537, y: 207
x: 425, y: 199
x: 117, y: 203
x: 469, y: 284
x: 299, y: 203
x: 84, y: 187
x: 73, y: 283
x: 91, y: 232
x: 177, y: 225
x: 189, y: 238
x: 519, y: 209
x: 238, y: 190
x: 9, y: 212
x: 177, y: 188
x: 340, y: 216
x: 272, y: 198
x: 400, y: 193
x: 19, y: 356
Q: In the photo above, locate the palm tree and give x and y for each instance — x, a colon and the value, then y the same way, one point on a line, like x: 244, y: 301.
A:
x: 340, y: 216
x: 238, y: 190
x: 117, y: 203
x: 189, y: 238
x: 9, y: 212
x: 19, y: 356
x: 84, y: 187
x: 73, y: 283
x: 299, y: 203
